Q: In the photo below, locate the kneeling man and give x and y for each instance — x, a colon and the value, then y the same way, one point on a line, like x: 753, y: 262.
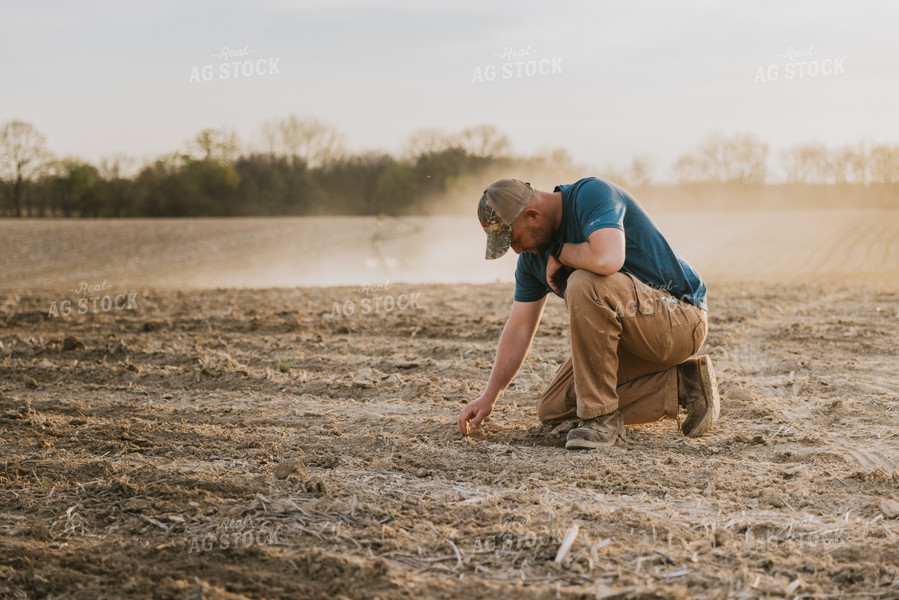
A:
x: 637, y: 311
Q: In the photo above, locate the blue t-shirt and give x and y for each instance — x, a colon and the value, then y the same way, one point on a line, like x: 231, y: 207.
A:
x: 591, y: 204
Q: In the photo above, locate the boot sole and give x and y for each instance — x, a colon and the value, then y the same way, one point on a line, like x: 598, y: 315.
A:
x: 710, y: 385
x: 587, y: 444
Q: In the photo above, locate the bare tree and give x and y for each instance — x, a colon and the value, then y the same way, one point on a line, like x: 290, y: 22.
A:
x: 640, y: 172
x: 426, y: 141
x: 23, y: 157
x: 635, y: 175
x: 839, y: 165
x: 614, y: 174
x: 215, y: 144
x: 117, y: 166
x: 807, y: 163
x: 884, y: 164
x: 857, y: 163
x: 306, y: 138
x: 739, y: 158
x: 485, y: 141
x: 816, y: 163
x: 270, y: 137
x: 559, y: 159
x: 687, y: 169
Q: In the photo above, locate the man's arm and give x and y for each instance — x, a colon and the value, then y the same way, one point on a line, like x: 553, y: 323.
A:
x: 602, y: 253
x: 514, y: 343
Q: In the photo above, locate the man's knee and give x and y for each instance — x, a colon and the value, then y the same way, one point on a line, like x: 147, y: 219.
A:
x: 578, y: 282
x: 543, y: 413
x: 549, y: 414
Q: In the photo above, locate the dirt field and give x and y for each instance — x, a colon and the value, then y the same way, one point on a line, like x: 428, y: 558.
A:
x: 263, y: 443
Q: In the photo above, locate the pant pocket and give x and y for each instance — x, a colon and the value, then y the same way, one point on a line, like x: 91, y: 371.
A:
x: 647, y: 302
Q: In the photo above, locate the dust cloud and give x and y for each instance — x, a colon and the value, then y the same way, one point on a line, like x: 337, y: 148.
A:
x: 327, y: 251
x: 252, y: 253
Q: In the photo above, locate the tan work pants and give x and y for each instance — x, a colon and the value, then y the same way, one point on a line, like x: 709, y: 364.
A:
x: 626, y: 339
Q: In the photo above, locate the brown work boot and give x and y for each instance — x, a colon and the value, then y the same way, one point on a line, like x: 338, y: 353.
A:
x: 697, y: 393
x: 598, y: 432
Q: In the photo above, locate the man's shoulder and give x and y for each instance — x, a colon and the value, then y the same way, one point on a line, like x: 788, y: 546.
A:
x: 577, y: 184
x: 589, y: 186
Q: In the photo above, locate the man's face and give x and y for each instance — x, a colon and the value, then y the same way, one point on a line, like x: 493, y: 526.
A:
x: 529, y: 235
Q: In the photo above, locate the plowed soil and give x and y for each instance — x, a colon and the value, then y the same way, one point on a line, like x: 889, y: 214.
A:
x: 265, y: 444
x: 204, y: 433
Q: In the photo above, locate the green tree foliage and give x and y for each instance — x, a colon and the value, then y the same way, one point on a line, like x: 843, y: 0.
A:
x: 397, y: 186
x: 75, y: 186
x: 351, y: 184
x: 268, y: 183
x: 179, y: 186
x: 115, y: 188
x: 303, y: 168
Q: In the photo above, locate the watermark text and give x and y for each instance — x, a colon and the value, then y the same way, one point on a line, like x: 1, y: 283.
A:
x: 516, y: 63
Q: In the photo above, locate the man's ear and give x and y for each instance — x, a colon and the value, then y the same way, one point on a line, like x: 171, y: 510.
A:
x: 532, y: 213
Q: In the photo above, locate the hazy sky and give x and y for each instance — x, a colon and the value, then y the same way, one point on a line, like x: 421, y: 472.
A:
x: 607, y: 80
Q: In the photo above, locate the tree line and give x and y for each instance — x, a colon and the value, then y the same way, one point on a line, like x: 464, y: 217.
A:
x: 742, y: 158
x: 302, y: 167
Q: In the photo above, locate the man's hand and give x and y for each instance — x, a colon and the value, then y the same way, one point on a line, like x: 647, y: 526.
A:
x: 475, y: 412
x: 556, y: 273
x: 513, y: 347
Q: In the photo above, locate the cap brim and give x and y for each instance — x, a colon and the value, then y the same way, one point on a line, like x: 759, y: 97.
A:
x: 498, y: 244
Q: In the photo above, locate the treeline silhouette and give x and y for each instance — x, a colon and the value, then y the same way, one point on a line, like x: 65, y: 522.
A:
x: 301, y: 167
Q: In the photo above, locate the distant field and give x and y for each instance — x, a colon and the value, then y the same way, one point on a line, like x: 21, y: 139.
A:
x: 288, y: 252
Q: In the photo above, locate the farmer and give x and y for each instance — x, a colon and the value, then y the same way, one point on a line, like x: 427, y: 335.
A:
x: 636, y: 309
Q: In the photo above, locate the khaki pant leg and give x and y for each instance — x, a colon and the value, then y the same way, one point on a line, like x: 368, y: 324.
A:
x: 642, y: 400
x: 626, y: 339
x: 647, y: 390
x: 559, y: 401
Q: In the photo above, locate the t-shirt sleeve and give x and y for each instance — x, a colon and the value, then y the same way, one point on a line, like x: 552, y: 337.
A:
x: 527, y: 287
x: 599, y: 205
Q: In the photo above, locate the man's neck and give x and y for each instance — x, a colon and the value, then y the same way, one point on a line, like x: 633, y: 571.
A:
x: 554, y: 210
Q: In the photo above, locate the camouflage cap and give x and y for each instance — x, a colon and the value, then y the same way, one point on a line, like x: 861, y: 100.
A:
x: 500, y: 204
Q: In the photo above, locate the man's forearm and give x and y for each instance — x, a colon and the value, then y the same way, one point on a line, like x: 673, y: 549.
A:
x: 580, y: 256
x: 510, y: 353
x: 603, y: 253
